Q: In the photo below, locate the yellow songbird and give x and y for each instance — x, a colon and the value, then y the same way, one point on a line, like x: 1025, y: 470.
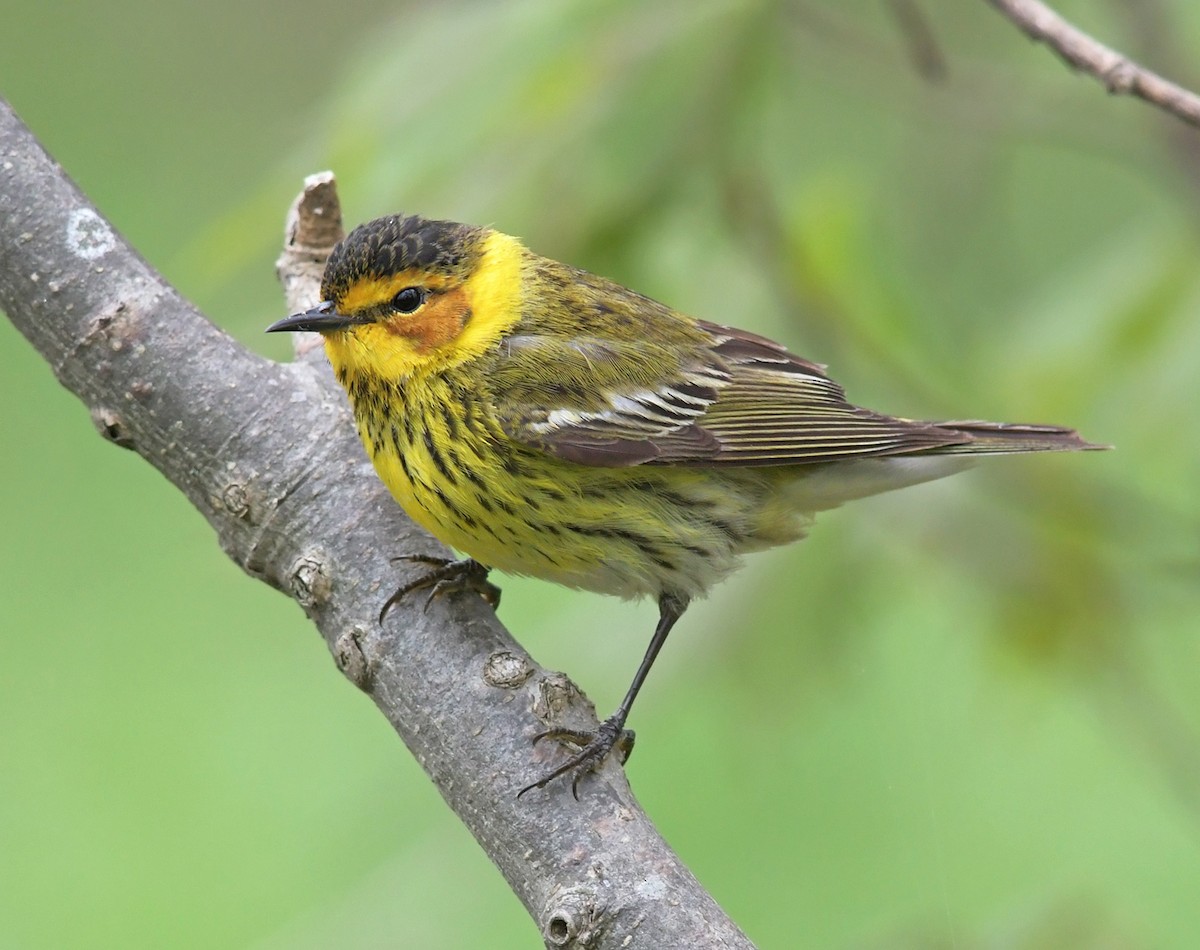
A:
x: 549, y: 422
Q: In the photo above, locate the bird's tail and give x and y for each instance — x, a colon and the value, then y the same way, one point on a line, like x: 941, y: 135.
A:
x: 1004, y: 438
x: 827, y: 486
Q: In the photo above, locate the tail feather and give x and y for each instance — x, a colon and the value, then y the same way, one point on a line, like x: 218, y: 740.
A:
x: 1003, y: 438
x: 827, y: 486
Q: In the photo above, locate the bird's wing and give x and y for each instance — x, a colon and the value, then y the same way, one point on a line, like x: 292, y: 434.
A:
x: 734, y: 399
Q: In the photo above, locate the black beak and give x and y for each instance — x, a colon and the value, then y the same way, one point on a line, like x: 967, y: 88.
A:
x: 322, y: 317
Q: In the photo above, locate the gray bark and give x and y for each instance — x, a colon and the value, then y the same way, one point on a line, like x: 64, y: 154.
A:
x: 267, y: 453
x: 1119, y: 74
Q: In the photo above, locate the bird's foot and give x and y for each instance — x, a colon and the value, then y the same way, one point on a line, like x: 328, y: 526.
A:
x: 445, y: 577
x: 593, y: 748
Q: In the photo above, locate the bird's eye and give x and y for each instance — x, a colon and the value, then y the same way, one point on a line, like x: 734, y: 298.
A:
x: 408, y: 300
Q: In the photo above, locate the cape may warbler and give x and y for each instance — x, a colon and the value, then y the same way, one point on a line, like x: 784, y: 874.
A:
x: 547, y: 421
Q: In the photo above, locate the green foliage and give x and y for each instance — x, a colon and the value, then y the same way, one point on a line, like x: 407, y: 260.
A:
x: 962, y: 715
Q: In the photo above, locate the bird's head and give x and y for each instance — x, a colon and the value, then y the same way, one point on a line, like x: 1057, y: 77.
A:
x: 402, y: 293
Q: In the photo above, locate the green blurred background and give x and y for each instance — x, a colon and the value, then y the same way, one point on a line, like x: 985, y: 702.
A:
x: 964, y: 715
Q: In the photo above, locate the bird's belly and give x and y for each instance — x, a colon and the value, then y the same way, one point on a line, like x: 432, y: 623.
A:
x: 628, y: 532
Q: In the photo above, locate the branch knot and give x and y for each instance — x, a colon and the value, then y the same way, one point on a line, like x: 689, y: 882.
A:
x: 309, y: 581
x: 574, y: 918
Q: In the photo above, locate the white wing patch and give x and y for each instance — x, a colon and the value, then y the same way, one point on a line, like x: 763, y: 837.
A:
x: 645, y: 411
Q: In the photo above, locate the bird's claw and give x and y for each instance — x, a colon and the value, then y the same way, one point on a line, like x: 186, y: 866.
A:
x: 447, y: 576
x: 594, y: 748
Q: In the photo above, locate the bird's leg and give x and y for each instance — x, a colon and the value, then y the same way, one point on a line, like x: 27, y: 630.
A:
x: 446, y: 576
x: 594, y: 747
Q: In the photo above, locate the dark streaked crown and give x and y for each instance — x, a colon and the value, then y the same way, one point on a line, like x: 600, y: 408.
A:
x: 399, y: 242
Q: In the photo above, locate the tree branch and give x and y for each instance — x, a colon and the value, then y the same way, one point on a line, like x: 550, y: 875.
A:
x: 268, y: 455
x: 1120, y: 75
x: 917, y: 32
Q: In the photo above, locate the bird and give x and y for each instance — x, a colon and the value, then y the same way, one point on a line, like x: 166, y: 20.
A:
x: 546, y: 421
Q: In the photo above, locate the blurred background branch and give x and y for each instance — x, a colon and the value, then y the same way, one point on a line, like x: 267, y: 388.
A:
x: 923, y: 50
x: 1119, y: 74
